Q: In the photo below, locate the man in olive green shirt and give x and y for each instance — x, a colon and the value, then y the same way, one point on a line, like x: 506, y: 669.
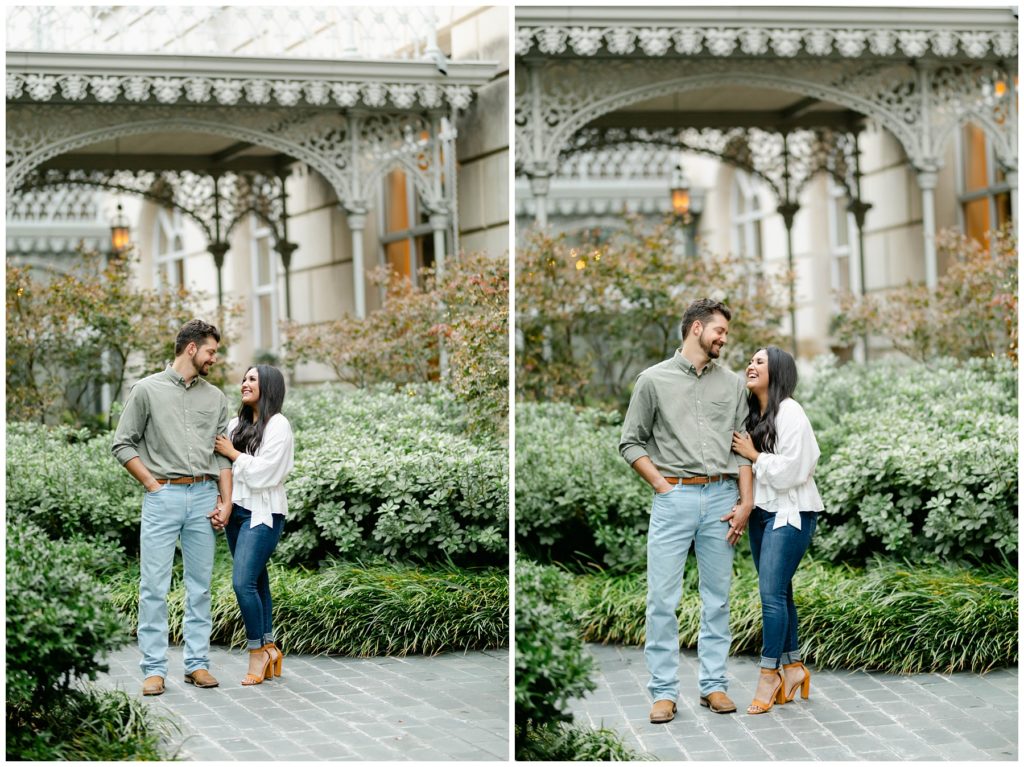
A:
x: 677, y: 435
x: 165, y: 440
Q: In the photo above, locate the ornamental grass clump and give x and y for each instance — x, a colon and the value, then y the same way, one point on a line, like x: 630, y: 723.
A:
x: 354, y: 609
x: 893, y: 617
x: 574, y: 743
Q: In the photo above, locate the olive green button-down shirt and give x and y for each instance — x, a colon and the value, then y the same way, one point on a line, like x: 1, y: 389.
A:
x: 683, y: 421
x: 171, y: 426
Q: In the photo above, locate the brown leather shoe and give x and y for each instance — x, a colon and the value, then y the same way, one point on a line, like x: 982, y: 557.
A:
x: 663, y: 711
x: 718, y: 702
x: 153, y: 685
x: 201, y: 678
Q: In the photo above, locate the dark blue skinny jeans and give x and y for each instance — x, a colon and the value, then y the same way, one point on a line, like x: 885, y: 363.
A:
x: 776, y: 556
x: 251, y: 548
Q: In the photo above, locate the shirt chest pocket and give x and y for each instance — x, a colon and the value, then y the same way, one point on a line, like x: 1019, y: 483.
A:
x: 720, y: 414
x: 204, y: 424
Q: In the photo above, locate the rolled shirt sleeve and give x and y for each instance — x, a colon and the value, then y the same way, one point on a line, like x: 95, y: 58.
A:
x: 740, y: 419
x: 223, y: 462
x: 131, y: 426
x: 637, y: 425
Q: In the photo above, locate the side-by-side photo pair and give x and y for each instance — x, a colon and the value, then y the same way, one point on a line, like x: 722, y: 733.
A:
x: 372, y: 372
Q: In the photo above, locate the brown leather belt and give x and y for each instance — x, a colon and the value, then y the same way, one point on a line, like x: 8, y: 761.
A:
x: 185, y: 480
x: 695, y: 480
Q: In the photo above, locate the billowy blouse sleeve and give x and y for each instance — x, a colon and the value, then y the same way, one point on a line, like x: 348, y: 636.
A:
x: 274, y: 458
x: 796, y: 450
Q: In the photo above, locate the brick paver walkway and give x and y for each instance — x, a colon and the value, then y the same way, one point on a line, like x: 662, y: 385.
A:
x: 850, y: 715
x: 446, y: 707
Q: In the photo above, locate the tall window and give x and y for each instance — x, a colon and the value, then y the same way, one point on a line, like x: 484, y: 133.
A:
x: 264, y: 292
x: 981, y: 183
x: 748, y: 213
x: 407, y: 240
x: 840, y: 225
x: 169, y: 249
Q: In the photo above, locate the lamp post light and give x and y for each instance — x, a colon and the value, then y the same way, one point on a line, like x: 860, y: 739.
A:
x: 120, y: 233
x: 686, y: 206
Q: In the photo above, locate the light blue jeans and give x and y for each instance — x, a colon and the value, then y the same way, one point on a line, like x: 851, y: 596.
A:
x: 176, y: 511
x: 688, y: 514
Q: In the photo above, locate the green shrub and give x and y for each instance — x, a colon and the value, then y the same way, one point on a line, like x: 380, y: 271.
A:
x: 891, y: 617
x: 352, y: 609
x: 87, y: 725
x: 560, y: 742
x: 68, y: 484
x: 385, y: 473
x: 575, y: 496
x: 552, y: 667
x: 59, y: 620
x: 376, y: 473
x: 916, y: 461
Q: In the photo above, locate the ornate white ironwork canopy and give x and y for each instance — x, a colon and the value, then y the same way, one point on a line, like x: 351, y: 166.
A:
x: 232, y: 95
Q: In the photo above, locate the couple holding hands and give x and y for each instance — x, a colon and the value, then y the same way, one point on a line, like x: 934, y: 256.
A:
x: 203, y: 473
x: 723, y: 454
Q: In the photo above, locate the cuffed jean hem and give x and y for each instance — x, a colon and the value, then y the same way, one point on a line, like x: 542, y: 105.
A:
x: 254, y: 644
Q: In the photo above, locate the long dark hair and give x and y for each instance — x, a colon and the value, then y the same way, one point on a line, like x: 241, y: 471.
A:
x: 781, y: 385
x: 248, y: 434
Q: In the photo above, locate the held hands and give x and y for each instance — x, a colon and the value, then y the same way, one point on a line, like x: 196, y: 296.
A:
x: 743, y: 445
x: 737, y: 519
x: 220, y: 515
x: 223, y: 446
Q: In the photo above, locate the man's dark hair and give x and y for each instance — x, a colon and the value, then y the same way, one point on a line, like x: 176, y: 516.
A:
x: 701, y: 311
x: 194, y: 330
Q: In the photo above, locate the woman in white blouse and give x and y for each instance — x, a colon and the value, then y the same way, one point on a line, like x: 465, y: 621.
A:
x: 780, y: 443
x: 261, y: 447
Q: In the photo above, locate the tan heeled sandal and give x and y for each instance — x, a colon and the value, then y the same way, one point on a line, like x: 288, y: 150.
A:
x: 250, y: 678
x: 804, y: 684
x: 276, y: 659
x: 777, y: 694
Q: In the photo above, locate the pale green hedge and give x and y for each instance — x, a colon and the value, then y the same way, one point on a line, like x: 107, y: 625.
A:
x: 381, y: 472
x: 917, y: 461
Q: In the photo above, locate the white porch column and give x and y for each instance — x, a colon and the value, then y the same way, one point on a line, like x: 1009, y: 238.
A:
x: 540, y: 183
x: 438, y: 223
x: 1011, y: 179
x: 927, y: 181
x: 356, y: 223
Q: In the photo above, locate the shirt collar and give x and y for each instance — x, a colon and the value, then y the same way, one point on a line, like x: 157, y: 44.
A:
x: 689, y: 368
x: 178, y: 378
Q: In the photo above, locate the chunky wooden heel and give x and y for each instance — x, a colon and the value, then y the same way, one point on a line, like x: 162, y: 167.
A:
x: 276, y: 658
x: 804, y: 684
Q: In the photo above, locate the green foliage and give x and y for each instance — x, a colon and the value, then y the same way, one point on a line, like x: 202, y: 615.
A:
x: 400, y: 343
x: 593, y: 314
x: 388, y: 473
x: 68, y: 484
x: 376, y: 472
x: 560, y: 742
x: 972, y: 312
x: 575, y: 496
x: 917, y: 460
x: 344, y: 608
x: 552, y: 667
x: 59, y: 621
x: 891, y: 617
x: 71, y: 333
x: 87, y: 725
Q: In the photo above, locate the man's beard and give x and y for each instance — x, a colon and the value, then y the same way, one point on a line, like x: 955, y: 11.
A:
x: 708, y: 347
x: 201, y: 370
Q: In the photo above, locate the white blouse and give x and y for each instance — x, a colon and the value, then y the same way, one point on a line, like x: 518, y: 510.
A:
x: 258, y: 480
x: 784, y: 480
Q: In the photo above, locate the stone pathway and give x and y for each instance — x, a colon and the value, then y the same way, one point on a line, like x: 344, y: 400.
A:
x: 851, y: 715
x: 446, y: 707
